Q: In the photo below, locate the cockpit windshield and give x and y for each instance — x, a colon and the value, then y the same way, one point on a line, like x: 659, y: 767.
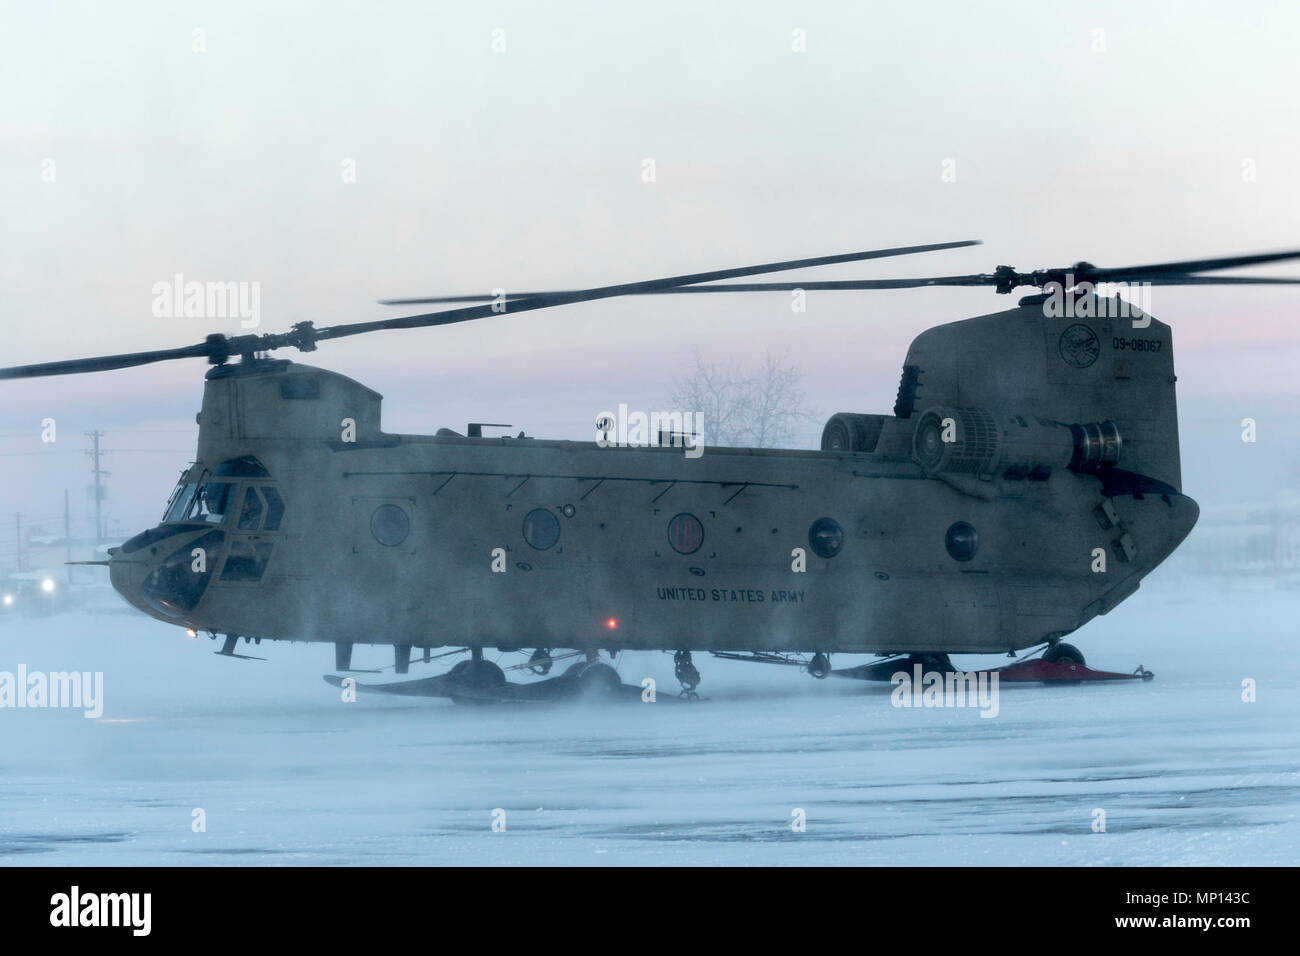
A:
x: 203, y: 501
x: 179, y: 502
x: 212, y: 501
x: 211, y: 495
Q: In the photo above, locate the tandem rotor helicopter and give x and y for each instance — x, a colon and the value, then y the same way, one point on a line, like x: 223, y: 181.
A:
x: 1024, y: 445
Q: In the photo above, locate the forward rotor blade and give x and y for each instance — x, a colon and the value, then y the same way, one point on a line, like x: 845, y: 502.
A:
x: 218, y: 348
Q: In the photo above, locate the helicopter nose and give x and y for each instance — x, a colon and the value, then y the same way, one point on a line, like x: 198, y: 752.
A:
x: 165, y: 570
x: 124, y: 574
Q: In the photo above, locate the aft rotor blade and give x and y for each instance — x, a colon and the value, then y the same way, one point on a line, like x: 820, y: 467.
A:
x: 659, y: 285
x: 1222, y: 280
x: 104, y: 363
x: 1009, y: 278
x: 1005, y: 279
x: 824, y: 285
x: 1142, y: 273
x: 844, y: 285
x: 850, y: 285
x: 544, y: 300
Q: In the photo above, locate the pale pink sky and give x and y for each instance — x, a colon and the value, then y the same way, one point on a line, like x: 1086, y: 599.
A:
x: 523, y: 169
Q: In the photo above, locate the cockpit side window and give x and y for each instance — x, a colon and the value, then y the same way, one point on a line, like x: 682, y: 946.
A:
x: 251, y: 514
x: 247, y: 561
x: 274, y: 507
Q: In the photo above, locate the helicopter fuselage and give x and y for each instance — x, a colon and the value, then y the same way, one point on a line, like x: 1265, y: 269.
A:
x: 302, y: 520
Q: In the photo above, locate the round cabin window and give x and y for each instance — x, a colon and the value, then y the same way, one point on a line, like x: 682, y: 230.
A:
x: 962, y: 541
x: 826, y: 537
x: 541, y: 529
x: 390, y: 525
x: 685, y: 533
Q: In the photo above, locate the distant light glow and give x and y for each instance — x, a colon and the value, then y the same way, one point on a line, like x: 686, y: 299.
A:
x: 190, y: 632
x: 9, y: 599
x: 47, y: 585
x: 612, y: 623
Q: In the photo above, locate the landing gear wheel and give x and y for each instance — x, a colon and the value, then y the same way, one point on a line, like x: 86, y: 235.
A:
x: 1064, y: 654
x: 597, y: 681
x: 482, y: 679
x: 819, y: 666
x: 687, y: 674
x: 540, y: 662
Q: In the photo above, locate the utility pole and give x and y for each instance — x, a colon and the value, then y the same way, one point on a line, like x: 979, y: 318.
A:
x: 100, y: 474
x: 67, y: 535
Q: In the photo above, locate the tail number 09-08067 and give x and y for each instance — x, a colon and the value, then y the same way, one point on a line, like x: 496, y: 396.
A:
x: 1135, y: 344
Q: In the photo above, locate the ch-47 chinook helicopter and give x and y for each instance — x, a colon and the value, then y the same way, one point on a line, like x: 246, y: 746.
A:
x: 1026, y: 449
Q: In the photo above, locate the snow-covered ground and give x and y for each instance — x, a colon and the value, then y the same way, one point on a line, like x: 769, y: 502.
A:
x: 285, y: 772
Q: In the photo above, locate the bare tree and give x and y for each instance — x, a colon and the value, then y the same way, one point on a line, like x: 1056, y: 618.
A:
x: 763, y: 409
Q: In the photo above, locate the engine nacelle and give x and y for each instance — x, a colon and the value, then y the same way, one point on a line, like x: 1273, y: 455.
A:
x: 970, y: 441
x: 850, y: 431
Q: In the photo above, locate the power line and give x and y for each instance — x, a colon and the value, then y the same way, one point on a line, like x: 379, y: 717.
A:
x: 140, y: 431
x: 116, y: 451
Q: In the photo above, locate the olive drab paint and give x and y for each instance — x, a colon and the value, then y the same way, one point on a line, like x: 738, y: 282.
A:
x: 317, y: 525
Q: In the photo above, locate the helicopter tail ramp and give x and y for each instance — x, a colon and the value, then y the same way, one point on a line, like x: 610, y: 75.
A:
x: 1101, y: 366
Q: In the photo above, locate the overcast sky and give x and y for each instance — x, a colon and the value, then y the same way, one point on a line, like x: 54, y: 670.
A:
x: 522, y: 168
